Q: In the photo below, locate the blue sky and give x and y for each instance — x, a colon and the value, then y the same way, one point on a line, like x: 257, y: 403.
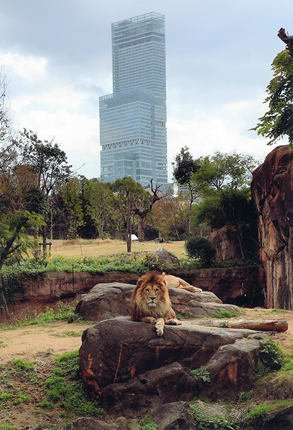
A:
x: 56, y: 55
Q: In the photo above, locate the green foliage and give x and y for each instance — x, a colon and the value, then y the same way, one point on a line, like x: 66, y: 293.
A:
x: 200, y: 248
x: 148, y: 424
x: 202, y: 373
x: 277, y: 122
x: 66, y: 388
x: 218, y: 422
x: 271, y: 355
x: 223, y: 313
x: 258, y: 415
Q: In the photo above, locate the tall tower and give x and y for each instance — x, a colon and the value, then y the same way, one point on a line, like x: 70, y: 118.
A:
x: 133, y: 119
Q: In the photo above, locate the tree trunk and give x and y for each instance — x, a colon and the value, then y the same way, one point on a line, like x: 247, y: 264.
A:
x: 141, y: 229
x: 128, y: 230
x: 44, y: 242
x: 3, y: 299
x: 262, y: 325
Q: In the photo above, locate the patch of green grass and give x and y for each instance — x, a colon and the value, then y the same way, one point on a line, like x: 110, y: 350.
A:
x: 147, y: 423
x: 66, y: 389
x: 258, y: 415
x: 223, y: 313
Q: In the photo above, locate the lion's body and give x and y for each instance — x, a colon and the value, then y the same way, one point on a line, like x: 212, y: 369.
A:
x: 150, y: 302
x: 175, y: 282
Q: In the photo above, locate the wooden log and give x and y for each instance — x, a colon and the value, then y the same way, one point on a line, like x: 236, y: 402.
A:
x: 262, y: 325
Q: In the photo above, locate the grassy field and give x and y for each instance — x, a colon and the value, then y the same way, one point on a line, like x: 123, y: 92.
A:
x: 98, y: 247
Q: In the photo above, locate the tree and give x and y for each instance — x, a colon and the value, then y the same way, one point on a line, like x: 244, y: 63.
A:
x: 277, y: 122
x: 72, y: 204
x: 223, y: 182
x: 49, y: 163
x: 183, y: 169
x: 97, y: 209
x: 143, y: 204
x: 127, y: 191
x: 13, y: 240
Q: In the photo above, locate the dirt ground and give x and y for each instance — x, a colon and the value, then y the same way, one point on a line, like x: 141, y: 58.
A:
x: 59, y: 337
x: 42, y: 343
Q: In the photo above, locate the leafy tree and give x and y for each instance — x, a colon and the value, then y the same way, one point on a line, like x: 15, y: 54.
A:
x: 97, y: 209
x: 127, y: 192
x: 171, y: 216
x: 13, y: 240
x: 223, y: 182
x: 72, y: 205
x: 277, y: 122
x: 49, y: 163
x: 183, y: 169
x: 143, y: 204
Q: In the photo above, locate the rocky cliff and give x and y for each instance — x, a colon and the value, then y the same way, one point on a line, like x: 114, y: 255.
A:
x: 272, y: 191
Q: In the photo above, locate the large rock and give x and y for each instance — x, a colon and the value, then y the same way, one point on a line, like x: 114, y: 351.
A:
x: 132, y: 370
x: 166, y: 258
x: 106, y: 301
x: 272, y: 190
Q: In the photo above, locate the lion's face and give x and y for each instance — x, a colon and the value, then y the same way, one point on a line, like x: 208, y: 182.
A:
x: 150, y: 297
x: 152, y: 294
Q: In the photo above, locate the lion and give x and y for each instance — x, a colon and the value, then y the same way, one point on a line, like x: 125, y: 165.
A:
x: 174, y: 282
x: 150, y: 302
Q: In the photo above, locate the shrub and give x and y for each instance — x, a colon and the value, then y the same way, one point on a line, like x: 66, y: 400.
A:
x: 200, y: 248
x: 271, y: 355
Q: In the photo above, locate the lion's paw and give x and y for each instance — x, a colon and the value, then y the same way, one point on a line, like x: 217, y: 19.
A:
x: 159, y: 328
x: 196, y: 289
x: 174, y: 321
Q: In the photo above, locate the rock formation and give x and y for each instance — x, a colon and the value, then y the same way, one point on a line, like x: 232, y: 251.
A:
x: 132, y: 370
x: 272, y: 191
x: 106, y: 301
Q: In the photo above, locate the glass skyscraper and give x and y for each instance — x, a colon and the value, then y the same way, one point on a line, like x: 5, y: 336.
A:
x: 133, y: 119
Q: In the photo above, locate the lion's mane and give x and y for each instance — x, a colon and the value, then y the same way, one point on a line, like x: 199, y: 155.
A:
x: 139, y: 307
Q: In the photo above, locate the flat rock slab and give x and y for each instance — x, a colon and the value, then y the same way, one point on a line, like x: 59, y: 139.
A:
x: 130, y: 369
x: 105, y: 301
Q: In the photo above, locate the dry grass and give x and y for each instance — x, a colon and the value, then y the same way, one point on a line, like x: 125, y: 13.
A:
x: 98, y: 247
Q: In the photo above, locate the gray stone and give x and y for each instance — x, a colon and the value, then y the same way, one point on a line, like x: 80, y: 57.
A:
x: 87, y: 424
x: 123, y: 423
x: 105, y: 301
x: 132, y: 370
x: 172, y: 416
x: 166, y: 258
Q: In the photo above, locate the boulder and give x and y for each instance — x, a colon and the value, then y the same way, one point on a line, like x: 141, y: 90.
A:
x: 106, y: 301
x: 272, y: 190
x: 172, y: 416
x: 132, y: 370
x: 87, y: 424
x: 166, y: 258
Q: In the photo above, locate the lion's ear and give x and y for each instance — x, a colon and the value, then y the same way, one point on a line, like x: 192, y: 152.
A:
x: 139, y: 283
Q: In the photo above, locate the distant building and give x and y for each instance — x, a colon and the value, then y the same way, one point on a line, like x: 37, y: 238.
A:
x: 133, y: 119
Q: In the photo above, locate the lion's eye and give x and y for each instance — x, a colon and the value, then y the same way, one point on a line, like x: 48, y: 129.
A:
x: 147, y: 290
x: 157, y: 290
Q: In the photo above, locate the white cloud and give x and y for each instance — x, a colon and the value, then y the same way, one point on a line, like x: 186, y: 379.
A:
x: 205, y: 134
x: 65, y: 97
x: 29, y: 68
x: 77, y: 135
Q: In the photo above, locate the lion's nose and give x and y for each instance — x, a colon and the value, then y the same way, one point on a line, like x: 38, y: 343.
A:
x: 153, y: 298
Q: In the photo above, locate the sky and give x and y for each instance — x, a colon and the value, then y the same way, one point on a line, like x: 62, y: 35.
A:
x: 56, y: 56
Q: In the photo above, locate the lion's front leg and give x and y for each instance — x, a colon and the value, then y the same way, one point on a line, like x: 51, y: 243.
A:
x: 160, y: 326
x: 150, y: 320
x: 173, y: 321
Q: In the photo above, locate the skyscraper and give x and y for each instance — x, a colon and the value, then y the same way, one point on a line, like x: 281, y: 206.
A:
x: 133, y: 119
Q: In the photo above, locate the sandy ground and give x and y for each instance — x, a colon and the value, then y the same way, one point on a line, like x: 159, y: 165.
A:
x: 56, y: 338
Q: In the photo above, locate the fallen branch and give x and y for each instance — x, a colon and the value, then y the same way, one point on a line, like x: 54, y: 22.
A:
x: 269, y: 325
